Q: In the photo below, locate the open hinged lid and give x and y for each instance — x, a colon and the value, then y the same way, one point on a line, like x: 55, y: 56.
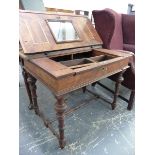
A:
x: 41, y: 32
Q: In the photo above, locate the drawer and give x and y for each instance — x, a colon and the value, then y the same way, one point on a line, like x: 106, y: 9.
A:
x: 88, y: 76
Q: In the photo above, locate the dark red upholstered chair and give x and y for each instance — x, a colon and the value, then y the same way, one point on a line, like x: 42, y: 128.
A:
x: 117, y: 31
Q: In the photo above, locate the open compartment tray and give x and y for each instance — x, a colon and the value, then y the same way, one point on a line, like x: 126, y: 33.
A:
x: 79, y: 60
x: 72, y: 71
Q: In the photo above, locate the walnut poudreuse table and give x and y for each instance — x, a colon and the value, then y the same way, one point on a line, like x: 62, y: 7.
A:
x: 65, y: 53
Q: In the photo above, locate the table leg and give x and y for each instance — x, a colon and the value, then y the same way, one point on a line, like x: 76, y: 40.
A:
x: 117, y: 87
x: 32, y: 85
x: 60, y: 107
x: 25, y: 76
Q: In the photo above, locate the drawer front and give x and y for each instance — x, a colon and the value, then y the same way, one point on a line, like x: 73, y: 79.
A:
x: 80, y: 80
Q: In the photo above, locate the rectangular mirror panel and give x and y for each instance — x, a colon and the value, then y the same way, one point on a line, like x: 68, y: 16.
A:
x: 63, y: 31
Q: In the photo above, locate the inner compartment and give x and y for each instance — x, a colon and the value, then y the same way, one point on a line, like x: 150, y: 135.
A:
x: 78, y: 60
x: 101, y: 58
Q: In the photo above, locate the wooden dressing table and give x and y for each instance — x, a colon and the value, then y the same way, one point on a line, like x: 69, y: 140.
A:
x: 65, y: 53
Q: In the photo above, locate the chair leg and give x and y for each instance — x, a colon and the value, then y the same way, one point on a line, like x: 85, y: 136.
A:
x: 131, y: 100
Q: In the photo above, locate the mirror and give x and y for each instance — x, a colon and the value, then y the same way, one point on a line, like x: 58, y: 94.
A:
x: 63, y: 31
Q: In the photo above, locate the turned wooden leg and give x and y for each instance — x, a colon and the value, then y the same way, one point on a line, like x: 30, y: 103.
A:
x: 93, y: 84
x: 32, y: 84
x: 84, y: 89
x: 117, y: 86
x: 25, y: 76
x: 60, y: 107
x: 131, y: 100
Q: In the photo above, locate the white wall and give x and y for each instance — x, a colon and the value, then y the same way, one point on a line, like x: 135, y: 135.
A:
x: 120, y: 6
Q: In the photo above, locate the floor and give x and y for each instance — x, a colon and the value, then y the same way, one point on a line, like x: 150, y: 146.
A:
x: 92, y: 130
